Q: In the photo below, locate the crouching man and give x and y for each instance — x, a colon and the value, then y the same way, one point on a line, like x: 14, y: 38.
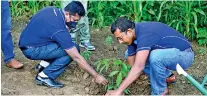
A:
x: 47, y: 38
x: 156, y: 50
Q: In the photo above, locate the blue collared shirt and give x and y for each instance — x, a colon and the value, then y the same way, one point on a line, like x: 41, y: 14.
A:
x: 46, y: 27
x: 156, y: 35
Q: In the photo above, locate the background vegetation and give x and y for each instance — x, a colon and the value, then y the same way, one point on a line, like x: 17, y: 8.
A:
x: 188, y: 17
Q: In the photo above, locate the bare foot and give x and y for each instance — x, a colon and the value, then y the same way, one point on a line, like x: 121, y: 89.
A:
x: 166, y: 92
x: 15, y: 64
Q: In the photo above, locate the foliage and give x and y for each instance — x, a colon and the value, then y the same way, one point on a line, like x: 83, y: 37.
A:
x: 109, y: 40
x: 185, y: 16
x: 116, y: 76
x: 202, y: 40
x: 102, y: 13
x: 86, y: 54
x: 29, y: 8
x: 202, y: 36
x: 202, y: 50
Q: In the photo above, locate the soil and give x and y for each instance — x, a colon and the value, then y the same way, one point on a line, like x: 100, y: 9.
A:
x: 21, y: 81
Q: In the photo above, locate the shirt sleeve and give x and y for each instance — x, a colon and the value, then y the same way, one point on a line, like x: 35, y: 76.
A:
x: 64, y: 39
x: 145, y: 42
x: 132, y: 49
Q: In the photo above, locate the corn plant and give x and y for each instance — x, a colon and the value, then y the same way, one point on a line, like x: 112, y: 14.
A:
x: 185, y: 16
x: 102, y: 13
x: 115, y: 69
x: 137, y: 10
x: 21, y: 8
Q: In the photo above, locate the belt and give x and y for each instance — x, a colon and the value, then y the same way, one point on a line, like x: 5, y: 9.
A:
x: 25, y: 47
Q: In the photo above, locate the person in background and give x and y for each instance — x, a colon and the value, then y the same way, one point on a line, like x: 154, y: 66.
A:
x: 6, y: 37
x: 85, y: 31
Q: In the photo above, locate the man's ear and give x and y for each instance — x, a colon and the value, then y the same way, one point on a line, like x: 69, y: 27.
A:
x: 130, y: 31
x: 67, y: 13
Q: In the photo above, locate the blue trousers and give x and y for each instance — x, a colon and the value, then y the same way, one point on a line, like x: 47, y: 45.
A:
x: 6, y: 38
x: 161, y: 61
x: 52, y: 53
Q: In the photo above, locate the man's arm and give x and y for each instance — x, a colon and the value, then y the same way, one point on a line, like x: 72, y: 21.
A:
x: 136, y: 69
x: 74, y: 54
x: 131, y: 60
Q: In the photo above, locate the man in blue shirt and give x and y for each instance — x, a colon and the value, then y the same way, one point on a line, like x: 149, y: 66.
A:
x: 157, y: 50
x: 47, y: 38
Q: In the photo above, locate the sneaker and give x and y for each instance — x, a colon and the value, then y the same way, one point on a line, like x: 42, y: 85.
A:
x: 87, y: 45
x: 171, y: 79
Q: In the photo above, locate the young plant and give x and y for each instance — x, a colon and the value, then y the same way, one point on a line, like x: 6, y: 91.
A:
x: 86, y: 54
x: 109, y: 40
x: 115, y: 70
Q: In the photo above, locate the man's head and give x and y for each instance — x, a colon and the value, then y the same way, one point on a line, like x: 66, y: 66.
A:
x: 124, y: 30
x: 73, y: 13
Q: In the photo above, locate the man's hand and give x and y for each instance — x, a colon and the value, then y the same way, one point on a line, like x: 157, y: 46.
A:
x: 100, y: 79
x: 73, y: 53
x: 113, y: 92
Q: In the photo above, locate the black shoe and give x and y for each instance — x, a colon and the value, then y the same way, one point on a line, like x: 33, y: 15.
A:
x: 39, y: 68
x: 45, y: 81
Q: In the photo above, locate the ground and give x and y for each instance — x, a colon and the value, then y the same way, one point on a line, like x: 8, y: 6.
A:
x: 21, y: 82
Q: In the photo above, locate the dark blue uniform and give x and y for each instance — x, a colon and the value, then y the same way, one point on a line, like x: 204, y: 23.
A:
x: 167, y: 48
x: 46, y: 27
x: 156, y: 35
x: 46, y: 38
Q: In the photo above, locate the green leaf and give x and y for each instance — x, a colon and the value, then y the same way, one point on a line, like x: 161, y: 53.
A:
x: 113, y: 73
x: 126, y: 91
x: 119, y: 79
x: 117, y: 62
x: 110, y: 87
x: 200, y: 11
x: 195, y: 18
x: 178, y: 24
x: 98, y: 65
x: 151, y: 12
x: 107, y: 67
x: 102, y: 68
x: 106, y: 87
x: 124, y: 72
x: 109, y: 40
x: 124, y: 67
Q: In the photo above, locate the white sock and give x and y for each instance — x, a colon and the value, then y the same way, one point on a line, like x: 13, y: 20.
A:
x: 42, y: 74
x: 44, y: 63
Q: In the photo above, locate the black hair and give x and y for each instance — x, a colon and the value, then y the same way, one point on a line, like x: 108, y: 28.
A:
x: 75, y: 7
x: 123, y: 24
